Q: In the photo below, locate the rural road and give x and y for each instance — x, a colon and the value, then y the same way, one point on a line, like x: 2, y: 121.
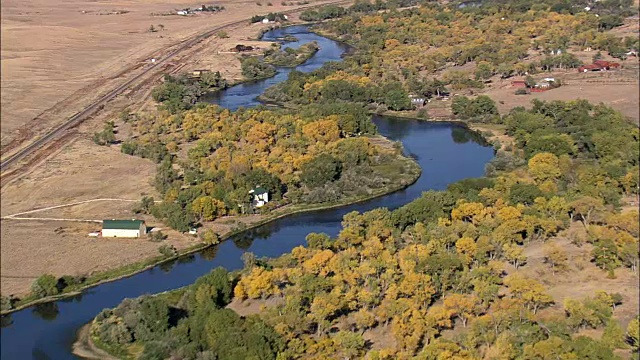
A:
x: 101, y: 102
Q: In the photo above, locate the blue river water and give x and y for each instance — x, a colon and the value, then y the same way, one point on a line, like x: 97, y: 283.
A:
x: 446, y: 152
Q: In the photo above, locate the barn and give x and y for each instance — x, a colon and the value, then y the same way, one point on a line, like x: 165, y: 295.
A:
x: 123, y: 228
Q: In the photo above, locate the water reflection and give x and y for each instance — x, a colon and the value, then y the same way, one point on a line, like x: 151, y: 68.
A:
x: 209, y: 253
x: 462, y: 135
x: 46, y: 311
x: 5, y: 320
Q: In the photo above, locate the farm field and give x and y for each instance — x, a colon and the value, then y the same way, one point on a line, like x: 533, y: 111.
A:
x: 59, y: 56
x: 75, y: 52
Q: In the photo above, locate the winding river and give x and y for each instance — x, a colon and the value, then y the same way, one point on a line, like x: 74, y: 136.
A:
x: 446, y: 152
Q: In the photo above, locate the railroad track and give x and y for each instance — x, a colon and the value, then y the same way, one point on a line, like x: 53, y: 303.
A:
x: 79, y: 117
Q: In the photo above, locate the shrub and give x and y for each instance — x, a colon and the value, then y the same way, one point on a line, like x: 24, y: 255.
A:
x: 156, y: 236
x: 107, y: 136
x: 222, y: 34
x: 382, y: 108
x: 69, y: 280
x: 422, y: 113
x: 522, y: 92
x: 168, y: 250
x: 209, y: 237
x: 6, y: 303
x: 45, y: 285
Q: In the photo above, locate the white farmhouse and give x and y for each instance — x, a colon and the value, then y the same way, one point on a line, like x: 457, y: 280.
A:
x: 260, y: 196
x: 123, y: 228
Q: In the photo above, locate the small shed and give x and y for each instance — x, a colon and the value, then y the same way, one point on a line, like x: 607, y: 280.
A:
x: 260, y: 196
x: 123, y: 228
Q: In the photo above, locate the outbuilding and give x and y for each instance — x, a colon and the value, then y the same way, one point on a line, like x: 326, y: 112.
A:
x: 123, y: 228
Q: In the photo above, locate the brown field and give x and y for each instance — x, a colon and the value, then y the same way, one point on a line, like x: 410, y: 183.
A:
x: 33, y: 248
x: 73, y: 51
x: 582, y: 278
x: 616, y: 88
x: 57, y: 59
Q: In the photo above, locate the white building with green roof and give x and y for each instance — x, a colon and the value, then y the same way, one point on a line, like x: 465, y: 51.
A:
x: 260, y: 196
x: 123, y: 228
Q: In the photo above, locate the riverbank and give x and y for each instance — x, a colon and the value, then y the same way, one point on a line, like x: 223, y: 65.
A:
x: 412, y: 174
x: 85, y: 348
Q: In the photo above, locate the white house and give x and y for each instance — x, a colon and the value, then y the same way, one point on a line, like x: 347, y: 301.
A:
x: 417, y: 101
x: 260, y: 196
x: 123, y: 228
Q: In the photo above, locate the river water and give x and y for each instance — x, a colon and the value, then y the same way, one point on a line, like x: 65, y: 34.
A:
x: 446, y: 153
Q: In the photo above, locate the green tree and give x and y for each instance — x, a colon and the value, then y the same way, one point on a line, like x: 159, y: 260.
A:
x: 605, y: 254
x: 614, y: 336
x: 484, y: 71
x: 320, y: 170
x: 45, y: 285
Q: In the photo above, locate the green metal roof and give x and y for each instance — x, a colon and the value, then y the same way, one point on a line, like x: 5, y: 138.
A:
x: 259, y: 190
x: 122, y: 224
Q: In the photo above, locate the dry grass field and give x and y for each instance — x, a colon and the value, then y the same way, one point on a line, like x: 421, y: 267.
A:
x: 58, y: 57
x: 32, y: 248
x: 617, y: 88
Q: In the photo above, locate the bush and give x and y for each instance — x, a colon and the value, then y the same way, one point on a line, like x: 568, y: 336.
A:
x: 6, y: 303
x: 69, y: 280
x: 382, y: 108
x: 156, y: 236
x: 168, y: 250
x: 222, y: 34
x: 522, y: 92
x: 45, y: 285
x: 422, y: 114
x: 106, y: 136
x: 209, y: 237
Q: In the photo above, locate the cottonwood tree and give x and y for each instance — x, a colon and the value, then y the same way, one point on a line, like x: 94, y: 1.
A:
x: 556, y: 257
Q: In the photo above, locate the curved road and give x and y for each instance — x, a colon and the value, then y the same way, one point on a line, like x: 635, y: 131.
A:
x: 101, y: 102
